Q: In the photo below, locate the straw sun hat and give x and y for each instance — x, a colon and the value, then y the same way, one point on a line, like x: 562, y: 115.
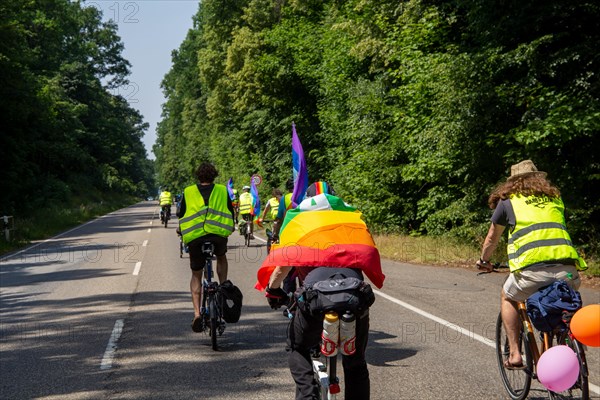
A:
x: 523, y: 169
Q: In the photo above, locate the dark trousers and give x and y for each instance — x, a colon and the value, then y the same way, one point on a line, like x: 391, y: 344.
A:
x: 304, y: 333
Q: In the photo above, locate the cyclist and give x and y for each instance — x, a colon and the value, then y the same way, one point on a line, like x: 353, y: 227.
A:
x: 236, y: 204
x: 165, y: 200
x: 305, y: 329
x: 205, y: 215
x: 539, y: 247
x: 246, y: 208
x: 272, y: 207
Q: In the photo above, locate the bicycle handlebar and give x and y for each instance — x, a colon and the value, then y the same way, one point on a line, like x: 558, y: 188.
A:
x: 495, y: 267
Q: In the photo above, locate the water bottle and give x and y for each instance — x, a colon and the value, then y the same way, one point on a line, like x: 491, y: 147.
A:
x: 330, y: 335
x: 348, y: 334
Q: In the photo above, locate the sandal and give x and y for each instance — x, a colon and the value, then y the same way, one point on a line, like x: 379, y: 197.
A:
x: 509, y: 365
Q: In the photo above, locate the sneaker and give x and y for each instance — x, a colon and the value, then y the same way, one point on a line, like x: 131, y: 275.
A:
x: 197, y: 325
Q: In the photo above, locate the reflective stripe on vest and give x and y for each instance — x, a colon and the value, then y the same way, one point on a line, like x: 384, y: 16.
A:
x: 245, y: 203
x: 540, y: 234
x: 200, y: 220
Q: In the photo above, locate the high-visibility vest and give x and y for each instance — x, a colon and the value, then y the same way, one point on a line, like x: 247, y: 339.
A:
x: 287, y: 201
x: 165, y: 199
x: 200, y: 219
x: 274, y: 204
x: 540, y: 233
x: 246, y: 203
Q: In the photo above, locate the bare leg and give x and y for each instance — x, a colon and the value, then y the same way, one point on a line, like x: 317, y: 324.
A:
x: 512, y: 324
x: 196, y: 289
x: 222, y: 268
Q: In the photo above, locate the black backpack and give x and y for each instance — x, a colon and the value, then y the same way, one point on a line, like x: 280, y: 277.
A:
x: 337, y: 293
x: 546, y: 306
x: 231, y: 301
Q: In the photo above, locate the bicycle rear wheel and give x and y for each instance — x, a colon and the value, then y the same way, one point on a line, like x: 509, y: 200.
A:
x: 580, y: 390
x: 517, y: 382
x: 212, y: 306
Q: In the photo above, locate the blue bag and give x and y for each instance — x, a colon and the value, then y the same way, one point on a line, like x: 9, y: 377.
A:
x: 545, y: 307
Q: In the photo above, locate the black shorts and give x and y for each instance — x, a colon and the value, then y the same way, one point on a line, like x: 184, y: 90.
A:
x: 197, y: 258
x: 247, y: 217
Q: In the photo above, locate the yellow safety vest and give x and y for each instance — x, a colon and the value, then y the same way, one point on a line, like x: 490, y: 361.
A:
x: 200, y: 219
x: 165, y: 199
x: 246, y: 203
x: 540, y: 233
x: 287, y: 200
x: 274, y: 203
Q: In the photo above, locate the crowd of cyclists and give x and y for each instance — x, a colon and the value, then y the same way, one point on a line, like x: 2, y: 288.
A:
x: 526, y: 204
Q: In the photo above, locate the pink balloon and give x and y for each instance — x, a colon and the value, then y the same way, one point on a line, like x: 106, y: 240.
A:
x: 558, y: 368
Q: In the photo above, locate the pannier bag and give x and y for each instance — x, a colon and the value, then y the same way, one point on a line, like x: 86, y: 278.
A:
x: 546, y: 306
x: 338, y: 293
x: 231, y: 301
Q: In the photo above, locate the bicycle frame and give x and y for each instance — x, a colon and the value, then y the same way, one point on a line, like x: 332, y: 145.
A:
x: 328, y: 381
x: 211, y: 307
x: 531, y: 356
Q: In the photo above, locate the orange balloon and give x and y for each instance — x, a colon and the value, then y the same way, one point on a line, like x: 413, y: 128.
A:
x: 585, y: 325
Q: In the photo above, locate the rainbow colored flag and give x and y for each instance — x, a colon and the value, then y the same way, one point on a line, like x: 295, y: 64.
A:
x: 323, y: 231
x: 299, y: 170
x: 230, y: 188
x: 255, y: 200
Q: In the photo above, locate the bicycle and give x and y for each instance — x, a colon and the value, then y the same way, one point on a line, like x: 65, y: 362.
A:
x: 165, y: 214
x: 269, y: 233
x: 245, y: 231
x: 211, y: 310
x: 517, y: 382
x: 183, y: 248
x: 324, y: 367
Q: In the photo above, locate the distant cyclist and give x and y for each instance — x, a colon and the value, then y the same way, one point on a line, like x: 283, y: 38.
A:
x: 272, y: 207
x: 205, y: 215
x: 235, y: 202
x: 165, y: 200
x: 246, y: 202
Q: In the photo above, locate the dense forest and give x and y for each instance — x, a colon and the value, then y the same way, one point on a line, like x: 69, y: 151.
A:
x: 414, y: 110
x: 66, y: 138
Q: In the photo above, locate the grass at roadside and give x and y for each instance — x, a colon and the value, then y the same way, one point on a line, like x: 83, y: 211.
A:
x: 49, y: 222
x: 445, y: 251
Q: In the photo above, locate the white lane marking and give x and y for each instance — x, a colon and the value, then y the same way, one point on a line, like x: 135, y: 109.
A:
x: 111, y: 347
x: 439, y: 320
x: 149, y: 230
x: 136, y: 270
x: 259, y: 238
x: 145, y: 243
x: 450, y: 325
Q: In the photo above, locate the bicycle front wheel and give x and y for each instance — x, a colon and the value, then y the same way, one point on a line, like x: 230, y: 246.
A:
x: 517, y: 382
x: 580, y: 390
x: 213, y: 321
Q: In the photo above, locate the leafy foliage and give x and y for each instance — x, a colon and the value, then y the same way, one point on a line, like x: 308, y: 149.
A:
x: 413, y: 110
x: 64, y: 135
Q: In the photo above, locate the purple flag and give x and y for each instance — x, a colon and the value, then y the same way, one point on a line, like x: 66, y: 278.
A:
x: 255, y: 200
x: 230, y: 189
x: 299, y: 169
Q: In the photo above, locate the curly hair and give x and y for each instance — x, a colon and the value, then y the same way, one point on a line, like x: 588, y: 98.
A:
x: 532, y: 185
x: 206, y: 173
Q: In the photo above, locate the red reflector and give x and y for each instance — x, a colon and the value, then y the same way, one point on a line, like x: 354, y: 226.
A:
x: 334, y: 388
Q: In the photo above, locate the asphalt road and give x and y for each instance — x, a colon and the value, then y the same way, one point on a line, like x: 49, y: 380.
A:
x: 103, y: 312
